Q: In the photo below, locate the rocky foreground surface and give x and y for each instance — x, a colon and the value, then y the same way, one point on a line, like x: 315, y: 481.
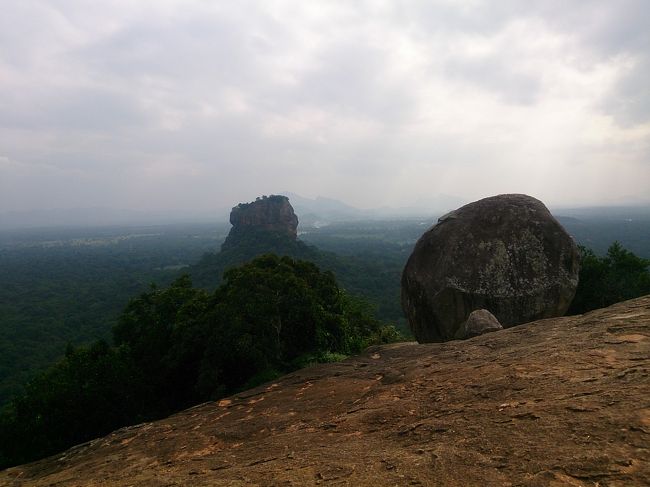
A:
x: 562, y: 401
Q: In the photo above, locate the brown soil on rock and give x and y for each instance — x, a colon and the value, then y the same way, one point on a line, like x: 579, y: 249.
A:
x: 563, y: 402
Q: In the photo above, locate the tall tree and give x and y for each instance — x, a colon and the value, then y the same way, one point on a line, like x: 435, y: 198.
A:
x: 617, y: 276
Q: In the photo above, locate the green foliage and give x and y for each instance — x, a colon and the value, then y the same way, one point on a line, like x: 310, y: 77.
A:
x: 371, y: 268
x: 178, y: 345
x: 617, y: 276
x: 181, y: 345
x: 63, y: 286
x: 161, y: 331
x: 240, y: 248
x: 71, y: 402
x: 69, y: 286
x: 273, y: 311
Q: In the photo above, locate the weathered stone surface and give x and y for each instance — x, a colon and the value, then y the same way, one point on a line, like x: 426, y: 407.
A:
x: 561, y: 402
x: 266, y: 214
x: 506, y: 254
x: 480, y: 321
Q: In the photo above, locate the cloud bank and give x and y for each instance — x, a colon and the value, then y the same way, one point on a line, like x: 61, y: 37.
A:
x: 196, y: 104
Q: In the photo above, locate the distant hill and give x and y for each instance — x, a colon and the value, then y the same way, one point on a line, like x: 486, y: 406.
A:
x: 597, y: 227
x: 321, y: 211
x: 329, y: 207
x: 612, y: 213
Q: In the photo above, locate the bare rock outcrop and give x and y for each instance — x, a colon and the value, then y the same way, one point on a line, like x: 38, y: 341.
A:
x: 480, y: 322
x: 271, y: 214
x: 506, y: 254
x: 561, y: 402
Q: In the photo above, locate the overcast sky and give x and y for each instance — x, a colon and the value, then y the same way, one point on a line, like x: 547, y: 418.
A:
x: 199, y: 104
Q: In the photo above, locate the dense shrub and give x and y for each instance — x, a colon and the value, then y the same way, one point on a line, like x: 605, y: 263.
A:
x: 617, y: 276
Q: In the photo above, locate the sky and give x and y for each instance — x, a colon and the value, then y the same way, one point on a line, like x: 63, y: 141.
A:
x: 199, y: 104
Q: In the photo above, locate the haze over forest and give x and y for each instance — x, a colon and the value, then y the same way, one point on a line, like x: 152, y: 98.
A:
x: 194, y: 106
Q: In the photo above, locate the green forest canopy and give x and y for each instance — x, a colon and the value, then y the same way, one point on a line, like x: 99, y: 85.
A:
x: 64, y: 285
x: 106, y: 277
x: 179, y: 346
x: 617, y: 276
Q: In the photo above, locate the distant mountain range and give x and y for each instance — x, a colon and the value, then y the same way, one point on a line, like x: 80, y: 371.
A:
x: 320, y: 210
x: 311, y: 212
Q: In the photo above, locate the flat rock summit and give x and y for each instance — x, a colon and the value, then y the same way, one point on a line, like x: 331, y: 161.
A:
x: 562, y: 401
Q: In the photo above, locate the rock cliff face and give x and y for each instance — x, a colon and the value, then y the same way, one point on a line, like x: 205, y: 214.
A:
x: 562, y: 401
x: 506, y: 254
x: 273, y: 214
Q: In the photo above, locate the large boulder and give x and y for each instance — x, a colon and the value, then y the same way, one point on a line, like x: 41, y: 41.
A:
x: 506, y: 254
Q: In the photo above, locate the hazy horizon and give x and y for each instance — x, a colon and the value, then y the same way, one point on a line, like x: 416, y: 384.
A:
x: 310, y: 212
x: 170, y: 106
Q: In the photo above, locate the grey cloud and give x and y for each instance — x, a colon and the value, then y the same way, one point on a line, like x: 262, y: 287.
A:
x: 601, y: 25
x: 210, y: 48
x: 484, y: 17
x: 616, y: 29
x: 605, y: 30
x: 78, y: 109
x: 98, y: 109
x: 351, y: 80
x: 629, y: 101
x: 599, y: 29
x: 138, y: 100
x: 496, y: 75
x: 199, y: 48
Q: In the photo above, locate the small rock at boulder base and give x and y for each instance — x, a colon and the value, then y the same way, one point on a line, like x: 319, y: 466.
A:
x: 505, y: 253
x: 480, y: 321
